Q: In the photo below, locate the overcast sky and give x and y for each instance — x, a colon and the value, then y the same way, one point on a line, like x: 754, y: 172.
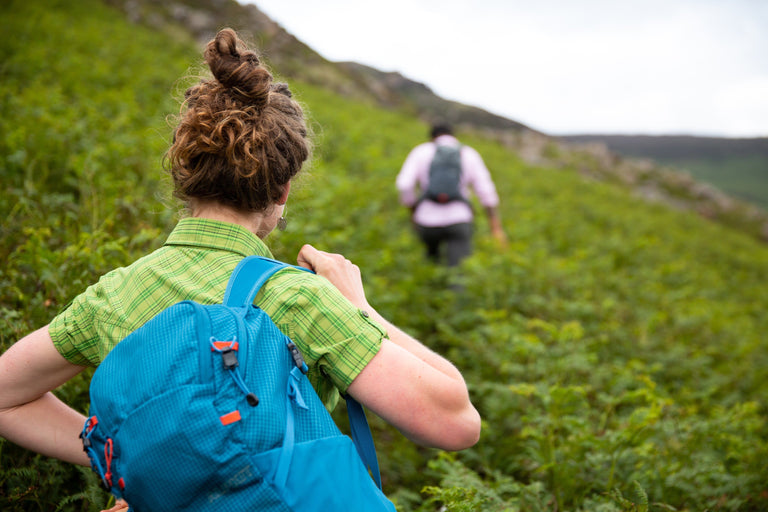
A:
x: 696, y: 67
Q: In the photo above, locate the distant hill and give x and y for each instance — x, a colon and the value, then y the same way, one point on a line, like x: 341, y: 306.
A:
x: 736, y: 166
x: 676, y: 147
x: 393, y: 89
x: 300, y: 62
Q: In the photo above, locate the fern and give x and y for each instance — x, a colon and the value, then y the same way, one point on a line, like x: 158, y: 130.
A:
x: 613, y: 342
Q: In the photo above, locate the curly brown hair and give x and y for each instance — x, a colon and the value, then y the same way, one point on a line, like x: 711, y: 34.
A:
x: 241, y: 137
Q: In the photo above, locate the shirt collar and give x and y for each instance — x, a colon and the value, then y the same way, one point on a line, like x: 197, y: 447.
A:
x: 214, y: 234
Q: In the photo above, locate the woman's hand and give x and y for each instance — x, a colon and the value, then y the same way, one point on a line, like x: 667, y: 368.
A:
x: 341, y: 272
x: 120, y: 506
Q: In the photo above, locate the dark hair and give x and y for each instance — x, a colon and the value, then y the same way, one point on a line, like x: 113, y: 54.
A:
x: 439, y: 129
x: 240, y: 137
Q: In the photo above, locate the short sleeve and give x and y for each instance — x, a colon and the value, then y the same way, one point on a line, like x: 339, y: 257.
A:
x: 93, y: 323
x: 73, y: 332
x: 333, y: 335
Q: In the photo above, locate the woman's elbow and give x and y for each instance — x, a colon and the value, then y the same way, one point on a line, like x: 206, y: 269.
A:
x: 464, y: 431
x: 457, y: 425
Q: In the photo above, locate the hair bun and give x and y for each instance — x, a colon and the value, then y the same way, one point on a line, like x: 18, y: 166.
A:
x: 281, y: 88
x: 237, y: 68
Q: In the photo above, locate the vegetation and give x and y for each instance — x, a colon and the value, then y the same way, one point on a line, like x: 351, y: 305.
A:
x: 616, y: 349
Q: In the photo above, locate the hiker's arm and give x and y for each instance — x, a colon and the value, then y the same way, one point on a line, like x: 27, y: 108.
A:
x: 494, y: 221
x: 30, y: 415
x: 407, y: 179
x: 479, y: 177
x: 418, y: 391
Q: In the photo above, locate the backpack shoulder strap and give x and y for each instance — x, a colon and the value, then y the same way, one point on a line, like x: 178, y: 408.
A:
x: 243, y: 286
x: 361, y: 435
x: 448, y: 148
x: 248, y: 278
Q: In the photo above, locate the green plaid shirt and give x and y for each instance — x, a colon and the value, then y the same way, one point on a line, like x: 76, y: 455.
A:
x: 336, y: 339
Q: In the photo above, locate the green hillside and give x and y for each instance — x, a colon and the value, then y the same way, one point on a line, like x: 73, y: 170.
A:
x: 616, y: 350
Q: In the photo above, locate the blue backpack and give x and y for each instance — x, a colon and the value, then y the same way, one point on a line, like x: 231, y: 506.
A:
x: 208, y: 408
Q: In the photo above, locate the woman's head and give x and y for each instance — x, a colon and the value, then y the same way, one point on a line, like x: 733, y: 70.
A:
x: 241, y: 138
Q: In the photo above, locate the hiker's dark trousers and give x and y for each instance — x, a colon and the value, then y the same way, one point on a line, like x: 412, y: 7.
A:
x: 456, y: 239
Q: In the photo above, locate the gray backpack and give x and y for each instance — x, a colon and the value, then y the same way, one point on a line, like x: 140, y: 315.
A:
x: 445, y: 176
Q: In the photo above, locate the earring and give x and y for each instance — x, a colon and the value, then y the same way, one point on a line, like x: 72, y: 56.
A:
x: 282, y: 222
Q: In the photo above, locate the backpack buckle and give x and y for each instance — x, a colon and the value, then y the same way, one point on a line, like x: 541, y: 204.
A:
x: 227, y: 350
x: 229, y: 358
x: 298, y: 359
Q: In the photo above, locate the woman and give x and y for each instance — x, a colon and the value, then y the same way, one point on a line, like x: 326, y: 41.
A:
x: 239, y: 142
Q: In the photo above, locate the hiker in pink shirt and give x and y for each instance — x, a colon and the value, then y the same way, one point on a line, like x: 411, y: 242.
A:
x: 447, y: 219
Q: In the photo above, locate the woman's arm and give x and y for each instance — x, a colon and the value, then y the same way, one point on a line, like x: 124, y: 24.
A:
x: 30, y: 415
x: 418, y: 391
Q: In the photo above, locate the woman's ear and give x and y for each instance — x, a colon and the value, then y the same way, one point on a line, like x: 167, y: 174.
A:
x: 284, y: 197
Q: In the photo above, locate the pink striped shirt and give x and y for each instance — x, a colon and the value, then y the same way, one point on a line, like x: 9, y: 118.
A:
x: 415, y: 173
